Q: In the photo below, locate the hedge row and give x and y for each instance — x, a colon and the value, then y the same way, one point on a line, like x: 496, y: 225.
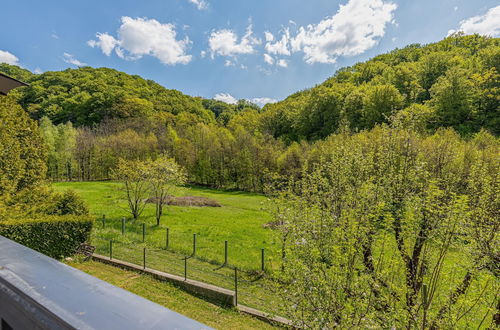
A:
x: 55, y: 236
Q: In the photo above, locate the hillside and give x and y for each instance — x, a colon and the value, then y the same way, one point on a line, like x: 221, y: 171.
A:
x: 451, y: 83
x: 86, y: 96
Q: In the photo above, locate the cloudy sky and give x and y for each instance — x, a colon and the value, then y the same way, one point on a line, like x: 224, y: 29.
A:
x: 262, y: 50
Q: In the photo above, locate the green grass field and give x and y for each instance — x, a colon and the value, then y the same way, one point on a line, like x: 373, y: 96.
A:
x: 171, y: 297
x: 240, y: 221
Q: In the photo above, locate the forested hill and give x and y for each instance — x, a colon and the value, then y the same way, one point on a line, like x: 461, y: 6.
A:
x: 451, y: 83
x: 86, y: 96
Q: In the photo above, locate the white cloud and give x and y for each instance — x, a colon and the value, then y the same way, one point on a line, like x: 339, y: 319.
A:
x: 225, y: 97
x: 269, y: 36
x: 487, y: 24
x: 6, y: 57
x: 268, y: 59
x: 38, y: 71
x: 455, y: 8
x: 70, y: 59
x: 280, y: 47
x: 261, y: 101
x: 225, y: 42
x: 200, y: 4
x: 104, y: 41
x: 355, y: 28
x: 282, y: 63
x: 228, y: 63
x: 141, y: 36
x: 54, y: 36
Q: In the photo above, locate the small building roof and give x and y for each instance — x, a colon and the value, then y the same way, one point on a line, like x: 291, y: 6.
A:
x: 7, y: 83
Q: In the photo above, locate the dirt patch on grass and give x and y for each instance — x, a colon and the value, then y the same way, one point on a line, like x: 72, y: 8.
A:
x: 187, y: 201
x: 272, y: 224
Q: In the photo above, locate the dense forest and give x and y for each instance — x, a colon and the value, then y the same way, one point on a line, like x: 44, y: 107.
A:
x: 91, y: 117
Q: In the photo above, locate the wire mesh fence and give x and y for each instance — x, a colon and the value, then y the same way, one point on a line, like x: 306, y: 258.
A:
x: 130, y: 242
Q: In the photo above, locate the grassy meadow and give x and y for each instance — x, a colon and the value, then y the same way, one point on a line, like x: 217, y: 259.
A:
x: 240, y: 221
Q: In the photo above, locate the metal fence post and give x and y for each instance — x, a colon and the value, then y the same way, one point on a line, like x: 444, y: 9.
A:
x: 110, y: 249
x: 236, y: 286
x: 143, y: 232
x: 262, y: 259
x: 185, y: 268
x: 194, y: 245
x: 103, y: 220
x: 167, y: 238
x: 144, y: 257
x: 225, y: 252
x: 123, y: 226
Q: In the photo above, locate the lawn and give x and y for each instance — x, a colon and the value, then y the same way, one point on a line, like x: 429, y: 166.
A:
x: 240, y: 221
x: 171, y: 297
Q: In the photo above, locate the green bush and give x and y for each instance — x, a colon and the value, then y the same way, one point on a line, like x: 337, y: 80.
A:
x: 55, y: 236
x: 68, y: 203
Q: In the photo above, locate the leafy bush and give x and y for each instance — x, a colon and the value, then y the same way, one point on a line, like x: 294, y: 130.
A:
x: 55, y: 236
x: 68, y: 203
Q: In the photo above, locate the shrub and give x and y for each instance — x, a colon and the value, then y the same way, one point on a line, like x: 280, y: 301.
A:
x: 55, y: 236
x: 68, y: 203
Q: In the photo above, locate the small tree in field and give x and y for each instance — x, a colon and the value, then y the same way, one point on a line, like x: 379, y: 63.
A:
x: 134, y: 175
x: 163, y: 175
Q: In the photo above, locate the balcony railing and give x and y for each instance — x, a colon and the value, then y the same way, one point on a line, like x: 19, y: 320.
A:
x: 38, y: 292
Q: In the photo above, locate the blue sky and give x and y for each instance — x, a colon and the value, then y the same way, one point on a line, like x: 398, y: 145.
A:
x: 260, y: 50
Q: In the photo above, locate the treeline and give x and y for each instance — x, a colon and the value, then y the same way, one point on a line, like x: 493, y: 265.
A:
x: 91, y: 117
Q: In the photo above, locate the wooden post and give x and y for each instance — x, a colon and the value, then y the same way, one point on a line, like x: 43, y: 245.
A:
x: 225, y: 252
x: 143, y: 232
x: 236, y: 286
x: 262, y: 259
x: 185, y: 268
x: 103, y: 220
x: 167, y: 238
x: 110, y: 249
x: 144, y: 257
x: 194, y: 245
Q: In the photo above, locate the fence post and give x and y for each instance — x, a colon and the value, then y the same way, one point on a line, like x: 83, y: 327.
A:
x: 262, y: 259
x: 185, y: 268
x: 123, y: 226
x: 103, y: 220
x: 143, y: 232
x: 166, y: 243
x: 236, y: 286
x: 144, y: 257
x: 225, y: 252
x: 110, y: 249
x: 194, y: 245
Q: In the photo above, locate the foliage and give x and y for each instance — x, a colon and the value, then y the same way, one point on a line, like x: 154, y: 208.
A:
x: 68, y: 203
x: 134, y: 176
x: 22, y: 152
x: 86, y: 96
x: 163, y: 175
x: 55, y: 236
x: 392, y: 229
x: 458, y: 78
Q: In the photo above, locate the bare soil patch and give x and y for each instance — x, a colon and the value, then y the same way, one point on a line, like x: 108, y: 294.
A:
x: 187, y: 201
